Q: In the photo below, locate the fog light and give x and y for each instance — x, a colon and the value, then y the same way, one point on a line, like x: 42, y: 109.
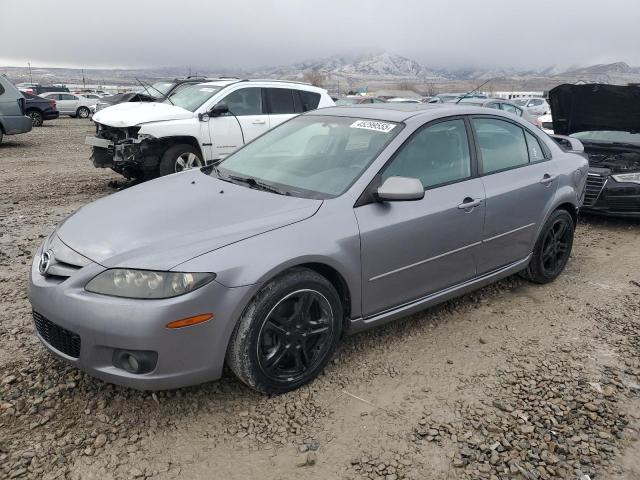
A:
x: 135, y: 361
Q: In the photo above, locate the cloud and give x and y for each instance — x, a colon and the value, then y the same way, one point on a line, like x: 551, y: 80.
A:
x: 244, y: 34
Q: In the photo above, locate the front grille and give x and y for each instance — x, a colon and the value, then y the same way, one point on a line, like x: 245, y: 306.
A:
x: 623, y: 204
x: 59, y: 338
x: 595, y: 184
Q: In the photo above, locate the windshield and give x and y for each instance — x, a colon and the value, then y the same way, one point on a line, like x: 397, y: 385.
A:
x: 311, y: 156
x: 158, y: 89
x: 608, y: 136
x: 347, y: 101
x: 191, y: 98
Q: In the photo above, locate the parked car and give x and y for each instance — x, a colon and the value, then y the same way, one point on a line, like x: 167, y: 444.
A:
x: 336, y: 221
x: 404, y: 100
x: 358, y: 99
x: 40, y: 109
x: 71, y: 104
x: 13, y: 120
x: 444, y: 97
x: 605, y: 119
x: 533, y: 105
x: 199, y: 124
x: 502, y: 105
x: 155, y: 92
x: 546, y: 122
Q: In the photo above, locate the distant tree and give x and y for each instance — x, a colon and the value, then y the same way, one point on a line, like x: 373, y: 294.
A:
x: 314, y: 77
x: 406, y: 85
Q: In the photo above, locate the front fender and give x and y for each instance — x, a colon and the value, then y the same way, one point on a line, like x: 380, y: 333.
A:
x: 328, y: 238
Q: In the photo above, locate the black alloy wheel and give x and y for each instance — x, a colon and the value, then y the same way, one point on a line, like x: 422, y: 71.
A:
x: 295, y: 335
x: 552, y: 249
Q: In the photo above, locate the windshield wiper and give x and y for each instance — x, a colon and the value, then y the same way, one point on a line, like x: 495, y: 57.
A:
x: 253, y: 183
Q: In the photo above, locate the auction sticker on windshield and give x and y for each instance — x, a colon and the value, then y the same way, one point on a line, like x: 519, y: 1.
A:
x: 373, y: 125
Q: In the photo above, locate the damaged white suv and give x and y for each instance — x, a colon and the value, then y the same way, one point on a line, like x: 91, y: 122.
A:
x: 197, y: 125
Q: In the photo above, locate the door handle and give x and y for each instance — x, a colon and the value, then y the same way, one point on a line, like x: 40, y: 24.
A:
x: 470, y: 203
x: 259, y: 122
x: 547, y: 179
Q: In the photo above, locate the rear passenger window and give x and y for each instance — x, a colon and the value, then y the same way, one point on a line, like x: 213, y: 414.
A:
x: 502, y: 144
x: 280, y: 100
x: 535, y: 150
x: 437, y: 154
x: 310, y: 100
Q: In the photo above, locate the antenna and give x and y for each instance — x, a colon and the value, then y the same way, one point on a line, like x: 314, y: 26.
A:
x: 161, y: 94
x: 474, y: 90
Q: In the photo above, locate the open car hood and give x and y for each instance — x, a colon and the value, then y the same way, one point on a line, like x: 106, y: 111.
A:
x: 591, y: 107
x: 127, y: 97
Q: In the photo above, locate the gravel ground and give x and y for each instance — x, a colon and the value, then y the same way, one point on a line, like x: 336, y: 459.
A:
x: 514, y: 381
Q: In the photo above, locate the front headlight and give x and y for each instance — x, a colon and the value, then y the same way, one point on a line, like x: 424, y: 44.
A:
x: 146, y: 284
x: 627, y: 177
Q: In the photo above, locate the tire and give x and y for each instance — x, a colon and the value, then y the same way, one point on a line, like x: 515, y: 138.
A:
x: 288, y: 332
x: 36, y: 118
x: 178, y: 158
x: 553, y: 248
x: 83, y: 112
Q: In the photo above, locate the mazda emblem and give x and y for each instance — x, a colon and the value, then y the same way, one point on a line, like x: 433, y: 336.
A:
x: 45, y: 262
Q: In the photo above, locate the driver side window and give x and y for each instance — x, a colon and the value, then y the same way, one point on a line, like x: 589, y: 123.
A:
x: 246, y: 101
x: 436, y: 154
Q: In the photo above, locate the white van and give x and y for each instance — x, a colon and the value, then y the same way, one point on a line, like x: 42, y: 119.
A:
x: 197, y: 125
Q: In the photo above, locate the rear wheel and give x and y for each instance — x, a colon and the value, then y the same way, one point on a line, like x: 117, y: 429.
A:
x: 287, y: 333
x: 178, y: 158
x: 553, y: 248
x: 83, y: 112
x: 36, y: 118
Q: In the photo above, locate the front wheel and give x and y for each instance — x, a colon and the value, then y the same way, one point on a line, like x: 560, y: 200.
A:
x: 179, y: 158
x: 36, y: 118
x: 83, y: 112
x: 287, y: 333
x: 553, y: 248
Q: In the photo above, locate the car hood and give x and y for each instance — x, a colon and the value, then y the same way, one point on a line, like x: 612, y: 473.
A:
x: 165, y: 222
x: 580, y: 108
x: 129, y: 114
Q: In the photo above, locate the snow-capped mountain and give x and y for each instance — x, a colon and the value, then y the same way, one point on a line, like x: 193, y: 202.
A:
x: 374, y: 65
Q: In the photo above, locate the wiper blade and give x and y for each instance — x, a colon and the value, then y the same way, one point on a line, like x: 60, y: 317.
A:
x: 253, y: 183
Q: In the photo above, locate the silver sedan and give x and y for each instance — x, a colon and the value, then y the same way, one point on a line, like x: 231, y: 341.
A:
x: 338, y: 220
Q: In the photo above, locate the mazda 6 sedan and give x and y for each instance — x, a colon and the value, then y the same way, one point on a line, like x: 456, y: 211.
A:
x: 338, y: 220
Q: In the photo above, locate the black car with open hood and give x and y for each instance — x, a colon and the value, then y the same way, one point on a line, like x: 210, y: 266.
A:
x: 606, y: 119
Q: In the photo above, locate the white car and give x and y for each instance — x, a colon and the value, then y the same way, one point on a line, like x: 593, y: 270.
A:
x: 198, y: 125
x: 534, y: 105
x: 546, y: 123
x: 71, y: 104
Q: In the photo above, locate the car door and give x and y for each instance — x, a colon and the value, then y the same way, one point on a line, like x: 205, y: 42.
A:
x: 245, y: 121
x: 67, y: 103
x: 282, y: 104
x: 519, y: 182
x: 411, y: 249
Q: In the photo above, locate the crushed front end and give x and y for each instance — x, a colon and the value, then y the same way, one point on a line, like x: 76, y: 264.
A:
x: 125, y: 151
x: 613, y: 183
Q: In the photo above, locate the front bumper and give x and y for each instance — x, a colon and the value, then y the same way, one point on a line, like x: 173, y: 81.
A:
x: 605, y: 196
x: 103, y: 324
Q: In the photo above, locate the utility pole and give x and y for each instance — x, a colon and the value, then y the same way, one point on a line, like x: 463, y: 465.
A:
x: 30, y: 76
x: 84, y: 86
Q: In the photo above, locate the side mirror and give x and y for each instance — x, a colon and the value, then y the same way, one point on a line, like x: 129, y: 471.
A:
x: 396, y: 189
x: 219, y: 109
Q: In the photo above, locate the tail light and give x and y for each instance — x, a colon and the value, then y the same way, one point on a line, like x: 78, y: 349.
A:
x: 52, y: 104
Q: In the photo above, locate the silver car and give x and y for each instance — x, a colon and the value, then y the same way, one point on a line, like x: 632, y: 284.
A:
x: 338, y: 220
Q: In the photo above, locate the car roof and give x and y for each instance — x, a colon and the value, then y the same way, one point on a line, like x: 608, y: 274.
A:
x: 400, y: 112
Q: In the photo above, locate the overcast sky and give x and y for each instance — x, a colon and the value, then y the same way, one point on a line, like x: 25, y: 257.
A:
x: 249, y: 33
